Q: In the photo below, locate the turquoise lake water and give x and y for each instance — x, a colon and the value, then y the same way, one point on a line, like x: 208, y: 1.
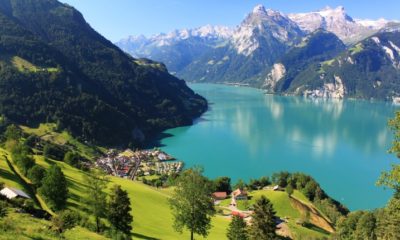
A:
x: 247, y: 134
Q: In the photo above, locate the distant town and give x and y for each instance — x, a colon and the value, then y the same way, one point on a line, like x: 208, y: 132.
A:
x: 132, y: 164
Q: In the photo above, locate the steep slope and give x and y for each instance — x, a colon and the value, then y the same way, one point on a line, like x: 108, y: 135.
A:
x: 315, y: 48
x: 259, y: 40
x: 370, y: 69
x: 56, y: 68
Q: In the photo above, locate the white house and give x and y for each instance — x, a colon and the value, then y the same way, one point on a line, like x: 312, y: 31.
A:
x: 11, y: 193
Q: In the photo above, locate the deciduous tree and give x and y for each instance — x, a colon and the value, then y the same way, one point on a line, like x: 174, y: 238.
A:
x: 191, y: 203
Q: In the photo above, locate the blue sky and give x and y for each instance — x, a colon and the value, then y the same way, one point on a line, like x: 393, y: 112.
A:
x: 116, y: 19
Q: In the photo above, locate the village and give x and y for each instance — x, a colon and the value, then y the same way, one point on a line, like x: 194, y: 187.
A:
x: 132, y: 164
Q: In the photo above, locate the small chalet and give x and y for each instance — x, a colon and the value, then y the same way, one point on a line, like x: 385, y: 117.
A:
x: 12, y: 193
x: 239, y: 194
x: 219, y: 195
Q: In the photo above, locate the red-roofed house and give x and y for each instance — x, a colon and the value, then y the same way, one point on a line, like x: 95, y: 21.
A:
x: 219, y: 195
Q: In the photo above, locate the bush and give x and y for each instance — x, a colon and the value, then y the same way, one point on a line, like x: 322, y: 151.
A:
x: 53, y: 151
x: 3, y: 209
x: 71, y: 158
x: 36, y: 174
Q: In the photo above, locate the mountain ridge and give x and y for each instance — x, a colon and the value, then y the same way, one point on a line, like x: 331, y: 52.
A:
x: 250, y: 53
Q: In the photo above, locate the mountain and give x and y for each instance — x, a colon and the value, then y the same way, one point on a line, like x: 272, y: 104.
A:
x: 369, y: 69
x: 337, y: 21
x: 286, y: 74
x: 177, y: 48
x: 56, y: 68
x: 266, y: 46
x: 263, y: 37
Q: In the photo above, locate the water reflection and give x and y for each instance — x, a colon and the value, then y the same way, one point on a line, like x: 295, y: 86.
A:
x: 248, y: 134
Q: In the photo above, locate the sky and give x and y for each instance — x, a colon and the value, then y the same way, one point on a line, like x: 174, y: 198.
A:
x: 117, y: 19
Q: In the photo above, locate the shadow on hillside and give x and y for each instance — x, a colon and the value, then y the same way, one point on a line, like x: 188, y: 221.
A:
x: 141, y: 236
x: 156, y: 143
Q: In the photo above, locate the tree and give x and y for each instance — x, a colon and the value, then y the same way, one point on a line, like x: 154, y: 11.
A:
x: 65, y: 220
x: 263, y: 222
x: 191, y: 203
x: 54, y: 188
x: 223, y: 184
x: 391, y: 221
x: 237, y: 229
x: 365, y: 229
x: 36, y: 175
x: 289, y: 190
x: 392, y: 178
x: 96, y: 198
x: 119, y: 208
x: 71, y: 158
x: 12, y: 133
x: 240, y: 184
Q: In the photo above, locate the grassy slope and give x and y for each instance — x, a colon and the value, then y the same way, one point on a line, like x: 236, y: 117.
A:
x: 284, y: 208
x: 24, y: 227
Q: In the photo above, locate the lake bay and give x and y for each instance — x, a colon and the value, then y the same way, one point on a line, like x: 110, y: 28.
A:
x: 246, y: 134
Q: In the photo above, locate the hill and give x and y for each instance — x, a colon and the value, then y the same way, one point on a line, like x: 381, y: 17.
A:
x: 315, y: 48
x: 369, y: 69
x: 56, y: 68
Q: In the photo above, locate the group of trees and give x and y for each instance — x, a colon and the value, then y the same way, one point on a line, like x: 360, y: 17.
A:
x: 193, y: 208
x: 116, y: 209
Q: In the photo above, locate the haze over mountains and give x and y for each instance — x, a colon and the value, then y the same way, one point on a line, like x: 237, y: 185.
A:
x: 253, y: 52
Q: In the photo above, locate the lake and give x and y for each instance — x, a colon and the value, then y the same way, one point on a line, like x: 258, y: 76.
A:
x: 247, y: 134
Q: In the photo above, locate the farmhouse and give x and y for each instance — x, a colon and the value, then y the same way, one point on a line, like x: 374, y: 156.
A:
x: 219, y: 195
x: 239, y: 194
x: 12, y: 193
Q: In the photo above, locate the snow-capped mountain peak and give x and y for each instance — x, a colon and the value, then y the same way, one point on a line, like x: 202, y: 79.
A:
x: 259, y: 9
x: 263, y: 23
x: 334, y: 20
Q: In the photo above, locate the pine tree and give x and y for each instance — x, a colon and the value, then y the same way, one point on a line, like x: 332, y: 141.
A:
x: 237, y: 229
x: 54, y: 188
x: 119, y: 208
x: 263, y: 221
x: 96, y: 198
x: 191, y: 203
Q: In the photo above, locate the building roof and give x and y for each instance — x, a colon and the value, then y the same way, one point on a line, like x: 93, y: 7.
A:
x: 11, y: 193
x: 220, y: 194
x: 239, y: 192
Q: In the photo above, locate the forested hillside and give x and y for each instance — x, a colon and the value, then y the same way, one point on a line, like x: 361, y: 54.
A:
x: 56, y: 68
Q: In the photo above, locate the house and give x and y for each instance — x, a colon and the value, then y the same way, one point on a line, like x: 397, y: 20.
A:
x: 276, y: 188
x: 239, y: 194
x: 219, y: 195
x: 12, y: 193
